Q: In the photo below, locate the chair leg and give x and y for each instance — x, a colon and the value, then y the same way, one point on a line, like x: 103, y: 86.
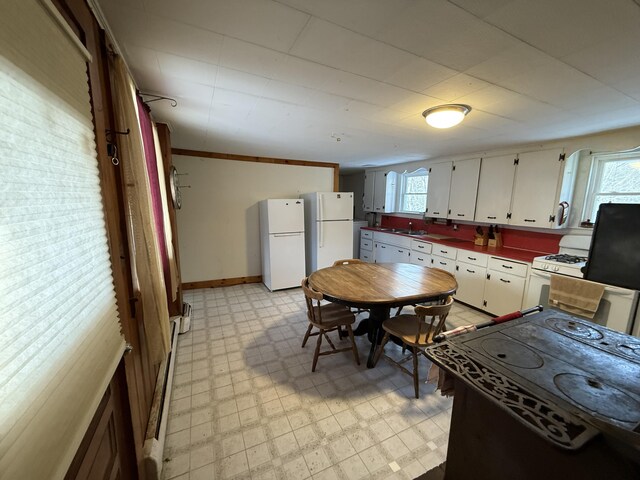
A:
x: 416, y: 379
x: 317, y: 352
x: 353, y: 344
x: 306, y: 335
x: 380, y: 350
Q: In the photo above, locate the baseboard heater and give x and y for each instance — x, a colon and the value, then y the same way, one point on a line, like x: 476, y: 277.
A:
x: 157, y: 426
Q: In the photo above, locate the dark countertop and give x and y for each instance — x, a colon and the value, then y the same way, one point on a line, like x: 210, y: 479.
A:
x: 505, y: 252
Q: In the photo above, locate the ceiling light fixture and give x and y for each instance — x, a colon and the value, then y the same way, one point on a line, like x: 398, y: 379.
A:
x: 446, y: 116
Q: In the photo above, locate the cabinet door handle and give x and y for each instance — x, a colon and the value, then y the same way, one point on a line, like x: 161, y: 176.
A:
x: 472, y: 258
x: 505, y: 281
x: 443, y: 263
x: 529, y: 220
x: 492, y: 218
x: 420, y: 246
x: 443, y: 251
x: 471, y: 271
x: 400, y: 251
x: 436, y: 213
x: 460, y: 214
x: 421, y: 259
x: 507, y: 266
x: 382, y: 246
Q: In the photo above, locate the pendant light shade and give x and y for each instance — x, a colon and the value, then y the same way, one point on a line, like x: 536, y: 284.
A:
x: 446, y: 116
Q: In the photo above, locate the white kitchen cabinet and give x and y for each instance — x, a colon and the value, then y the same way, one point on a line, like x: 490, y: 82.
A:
x: 369, y: 187
x: 386, y: 253
x: 464, y: 189
x: 543, y: 180
x: 390, y: 248
x: 366, y: 246
x: 380, y: 192
x: 504, y: 286
x: 471, y: 279
x: 438, y: 188
x: 471, y: 273
x: 494, y: 189
x: 421, y: 253
x: 444, y: 258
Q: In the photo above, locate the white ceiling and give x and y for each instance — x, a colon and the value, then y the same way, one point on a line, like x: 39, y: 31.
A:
x: 347, y: 81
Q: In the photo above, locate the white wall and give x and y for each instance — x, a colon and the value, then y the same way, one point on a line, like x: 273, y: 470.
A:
x: 218, y: 224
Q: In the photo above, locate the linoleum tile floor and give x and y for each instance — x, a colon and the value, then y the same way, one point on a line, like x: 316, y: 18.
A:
x: 245, y: 404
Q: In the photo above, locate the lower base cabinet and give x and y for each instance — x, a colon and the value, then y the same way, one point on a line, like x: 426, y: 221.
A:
x: 503, y: 292
x: 385, y: 253
x: 471, y: 284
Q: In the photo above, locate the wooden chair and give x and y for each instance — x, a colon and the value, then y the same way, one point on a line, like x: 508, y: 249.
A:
x: 350, y: 261
x: 415, y: 332
x: 347, y: 261
x: 327, y: 318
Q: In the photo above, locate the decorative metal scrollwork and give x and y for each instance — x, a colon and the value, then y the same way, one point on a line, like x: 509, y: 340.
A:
x: 542, y: 416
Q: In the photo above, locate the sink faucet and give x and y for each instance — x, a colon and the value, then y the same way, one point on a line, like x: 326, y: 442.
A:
x: 410, y: 225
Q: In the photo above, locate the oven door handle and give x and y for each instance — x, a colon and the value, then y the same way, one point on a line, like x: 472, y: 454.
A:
x: 609, y: 289
x: 541, y: 274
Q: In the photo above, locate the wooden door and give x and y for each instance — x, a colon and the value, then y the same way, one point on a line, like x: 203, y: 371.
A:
x: 137, y: 384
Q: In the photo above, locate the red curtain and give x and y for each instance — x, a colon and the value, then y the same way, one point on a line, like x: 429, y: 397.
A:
x: 154, y: 184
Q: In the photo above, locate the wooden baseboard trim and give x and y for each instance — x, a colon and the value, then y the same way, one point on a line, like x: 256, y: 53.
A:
x: 223, y: 282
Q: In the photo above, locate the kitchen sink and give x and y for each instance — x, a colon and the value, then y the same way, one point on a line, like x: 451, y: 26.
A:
x: 418, y: 233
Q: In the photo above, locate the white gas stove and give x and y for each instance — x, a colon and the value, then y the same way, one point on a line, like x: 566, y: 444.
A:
x: 572, y: 257
x: 618, y: 307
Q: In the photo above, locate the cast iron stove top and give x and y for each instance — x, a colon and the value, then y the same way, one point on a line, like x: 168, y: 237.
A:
x: 553, y: 371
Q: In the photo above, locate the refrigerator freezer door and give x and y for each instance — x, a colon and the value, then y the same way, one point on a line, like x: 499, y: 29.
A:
x: 287, y: 261
x: 334, y: 242
x: 335, y: 206
x: 285, y: 215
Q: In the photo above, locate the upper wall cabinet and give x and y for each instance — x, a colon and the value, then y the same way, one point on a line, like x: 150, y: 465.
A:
x: 542, y: 189
x: 464, y: 187
x: 495, y: 188
x: 439, y: 185
x: 379, y: 192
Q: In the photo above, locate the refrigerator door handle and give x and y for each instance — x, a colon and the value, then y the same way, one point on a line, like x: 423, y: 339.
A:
x: 320, y: 235
x: 295, y: 234
x: 320, y: 207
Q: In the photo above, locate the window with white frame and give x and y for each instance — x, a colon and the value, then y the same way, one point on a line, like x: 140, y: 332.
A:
x: 413, y: 191
x: 615, y: 178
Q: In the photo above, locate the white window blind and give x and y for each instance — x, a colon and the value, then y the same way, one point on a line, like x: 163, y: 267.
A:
x: 59, y: 329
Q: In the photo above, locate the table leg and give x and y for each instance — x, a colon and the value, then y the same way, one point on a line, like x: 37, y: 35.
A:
x: 375, y: 332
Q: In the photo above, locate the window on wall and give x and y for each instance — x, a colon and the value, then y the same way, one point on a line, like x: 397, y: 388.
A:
x: 413, y: 191
x: 615, y: 178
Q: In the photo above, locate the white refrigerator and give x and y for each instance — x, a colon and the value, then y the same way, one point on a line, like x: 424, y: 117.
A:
x: 329, y: 228
x: 282, y: 242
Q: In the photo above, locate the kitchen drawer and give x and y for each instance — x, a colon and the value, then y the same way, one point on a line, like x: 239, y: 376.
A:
x: 366, y: 234
x: 366, y: 256
x: 444, y: 251
x: 366, y: 244
x: 422, y: 247
x: 392, y: 239
x: 479, y: 259
x: 508, y: 266
x: 444, y: 263
x: 418, y: 258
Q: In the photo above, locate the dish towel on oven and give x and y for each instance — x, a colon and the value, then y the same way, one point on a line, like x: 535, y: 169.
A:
x: 574, y: 295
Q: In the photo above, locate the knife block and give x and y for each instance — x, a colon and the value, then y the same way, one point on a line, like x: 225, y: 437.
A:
x: 496, y: 241
x: 481, y: 240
